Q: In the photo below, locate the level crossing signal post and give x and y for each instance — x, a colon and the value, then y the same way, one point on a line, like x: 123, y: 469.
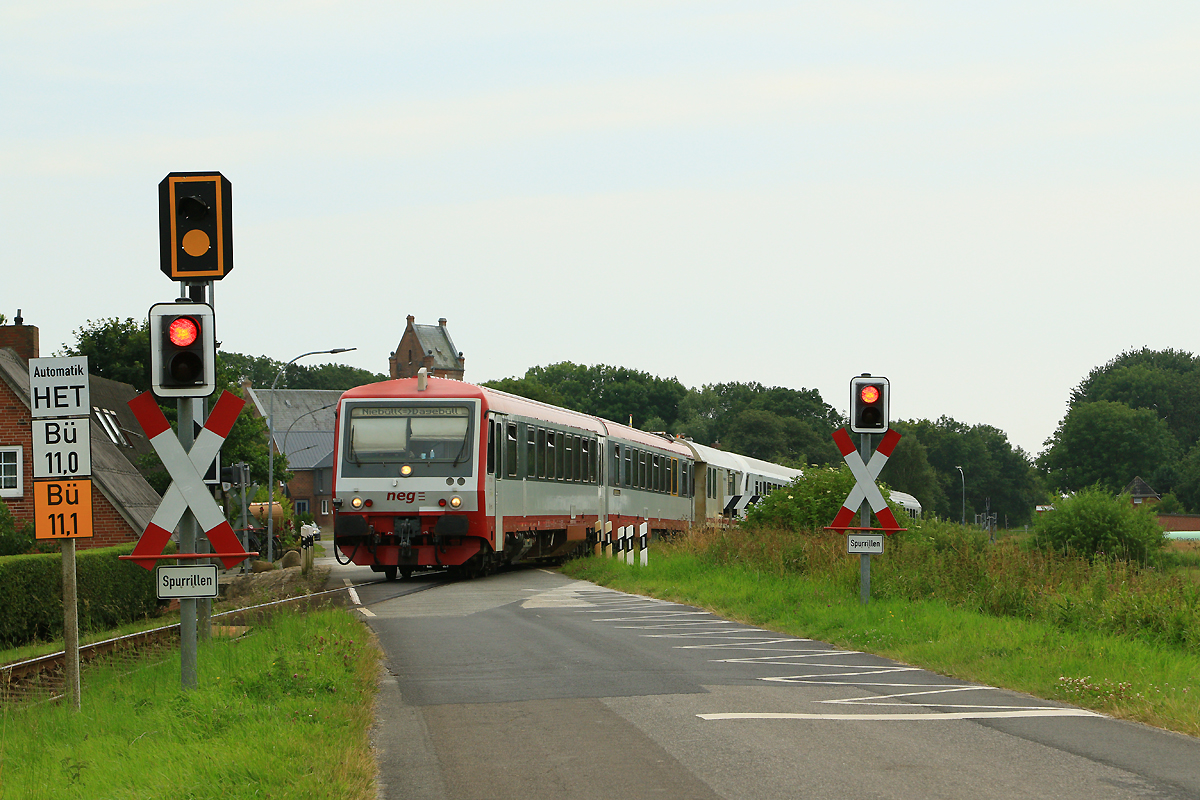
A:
x: 196, y: 249
x: 869, y: 415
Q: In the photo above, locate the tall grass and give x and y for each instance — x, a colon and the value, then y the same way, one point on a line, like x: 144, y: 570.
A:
x: 284, y: 712
x: 959, y: 566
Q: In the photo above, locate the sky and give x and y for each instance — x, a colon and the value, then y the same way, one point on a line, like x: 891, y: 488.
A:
x: 980, y: 201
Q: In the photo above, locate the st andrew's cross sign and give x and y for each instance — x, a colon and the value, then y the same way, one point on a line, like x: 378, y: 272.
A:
x: 865, y: 488
x: 187, y: 488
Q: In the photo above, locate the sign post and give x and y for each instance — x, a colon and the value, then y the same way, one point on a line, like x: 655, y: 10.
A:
x: 60, y: 409
x: 869, y: 403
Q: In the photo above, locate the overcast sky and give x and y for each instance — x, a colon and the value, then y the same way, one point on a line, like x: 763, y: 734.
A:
x: 981, y: 201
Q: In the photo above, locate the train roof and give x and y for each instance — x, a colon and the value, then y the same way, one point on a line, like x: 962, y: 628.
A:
x: 740, y: 463
x: 505, y: 403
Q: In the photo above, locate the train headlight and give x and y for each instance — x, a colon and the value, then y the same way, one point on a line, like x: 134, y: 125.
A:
x: 455, y: 501
x: 356, y: 502
x: 406, y: 470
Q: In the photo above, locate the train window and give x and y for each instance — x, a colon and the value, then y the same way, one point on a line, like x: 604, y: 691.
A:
x: 577, y: 461
x: 586, y: 455
x: 644, y: 481
x: 629, y: 470
x: 545, y: 452
x: 614, y: 471
x: 655, y: 473
x: 568, y: 458
x: 510, y: 450
x: 530, y: 451
x: 558, y: 455
x: 675, y: 476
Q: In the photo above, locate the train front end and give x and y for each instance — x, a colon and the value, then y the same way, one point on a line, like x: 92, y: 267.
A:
x: 407, y: 482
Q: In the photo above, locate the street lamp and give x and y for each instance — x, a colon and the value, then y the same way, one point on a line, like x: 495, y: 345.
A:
x: 271, y: 446
x: 964, y: 494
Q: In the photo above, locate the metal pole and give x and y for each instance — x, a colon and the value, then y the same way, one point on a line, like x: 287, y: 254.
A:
x: 187, y: 544
x: 204, y: 604
x: 71, y: 622
x: 864, y: 559
x: 963, y: 475
x: 243, y: 478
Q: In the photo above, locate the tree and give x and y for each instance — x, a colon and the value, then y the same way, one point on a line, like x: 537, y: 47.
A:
x: 1107, y: 443
x: 116, y: 349
x: 1166, y: 382
x: 908, y: 470
x: 997, y: 476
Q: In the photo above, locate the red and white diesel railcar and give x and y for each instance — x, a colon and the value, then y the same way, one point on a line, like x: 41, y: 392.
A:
x: 431, y: 472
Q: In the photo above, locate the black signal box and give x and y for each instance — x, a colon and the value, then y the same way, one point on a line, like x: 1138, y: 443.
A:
x: 195, y: 226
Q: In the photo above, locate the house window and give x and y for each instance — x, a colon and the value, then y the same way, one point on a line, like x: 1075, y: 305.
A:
x: 12, y: 466
x: 301, y: 507
x: 325, y: 508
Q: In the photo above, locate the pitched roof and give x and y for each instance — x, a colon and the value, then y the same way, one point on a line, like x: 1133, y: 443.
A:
x: 304, y: 421
x: 435, y: 341
x: 1139, y: 488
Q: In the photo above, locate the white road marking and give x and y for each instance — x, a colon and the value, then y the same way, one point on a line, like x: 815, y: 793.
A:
x: 366, y: 612
x: 917, y: 715
x: 827, y: 668
x: 354, y: 596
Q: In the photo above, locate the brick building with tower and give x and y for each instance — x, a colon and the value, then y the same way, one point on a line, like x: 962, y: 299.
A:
x: 427, y: 346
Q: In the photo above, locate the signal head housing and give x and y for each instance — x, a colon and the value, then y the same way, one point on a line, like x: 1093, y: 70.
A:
x: 869, y: 404
x: 183, y: 350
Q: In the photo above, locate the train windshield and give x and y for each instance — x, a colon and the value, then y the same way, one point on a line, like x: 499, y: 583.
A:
x: 435, y: 439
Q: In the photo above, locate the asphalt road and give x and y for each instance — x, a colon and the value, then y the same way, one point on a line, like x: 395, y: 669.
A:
x: 534, y: 686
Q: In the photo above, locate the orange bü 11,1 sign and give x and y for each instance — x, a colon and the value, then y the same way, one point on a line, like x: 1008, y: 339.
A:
x: 62, y: 509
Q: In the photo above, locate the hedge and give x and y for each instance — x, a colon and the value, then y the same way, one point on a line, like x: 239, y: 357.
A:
x: 110, y: 591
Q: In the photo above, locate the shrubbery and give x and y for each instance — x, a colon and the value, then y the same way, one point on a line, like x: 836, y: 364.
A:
x: 1093, y: 522
x: 810, y: 502
x: 110, y: 592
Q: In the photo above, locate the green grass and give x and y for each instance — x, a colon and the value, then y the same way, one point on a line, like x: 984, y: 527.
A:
x: 1117, y: 675
x: 283, y: 712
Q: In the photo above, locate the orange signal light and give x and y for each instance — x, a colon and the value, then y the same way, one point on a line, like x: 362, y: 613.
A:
x: 870, y: 394
x: 183, y: 331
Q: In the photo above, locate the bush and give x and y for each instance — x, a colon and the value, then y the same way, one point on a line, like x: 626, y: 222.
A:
x: 110, y: 592
x: 810, y: 502
x: 1093, y: 522
x: 15, y: 539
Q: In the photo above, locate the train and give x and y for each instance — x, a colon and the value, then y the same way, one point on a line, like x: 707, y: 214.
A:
x: 435, y: 473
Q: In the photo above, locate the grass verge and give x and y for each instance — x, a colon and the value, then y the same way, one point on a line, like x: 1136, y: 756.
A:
x: 1116, y: 675
x: 283, y: 712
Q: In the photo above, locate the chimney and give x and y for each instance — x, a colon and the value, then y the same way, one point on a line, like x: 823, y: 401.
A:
x: 442, y: 322
x: 20, y: 337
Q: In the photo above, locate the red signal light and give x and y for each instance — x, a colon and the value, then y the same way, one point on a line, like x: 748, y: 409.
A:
x: 183, y: 331
x: 870, y: 394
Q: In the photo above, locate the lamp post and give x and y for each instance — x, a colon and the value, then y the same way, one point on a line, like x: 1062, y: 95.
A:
x: 271, y: 445
x: 964, y: 493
